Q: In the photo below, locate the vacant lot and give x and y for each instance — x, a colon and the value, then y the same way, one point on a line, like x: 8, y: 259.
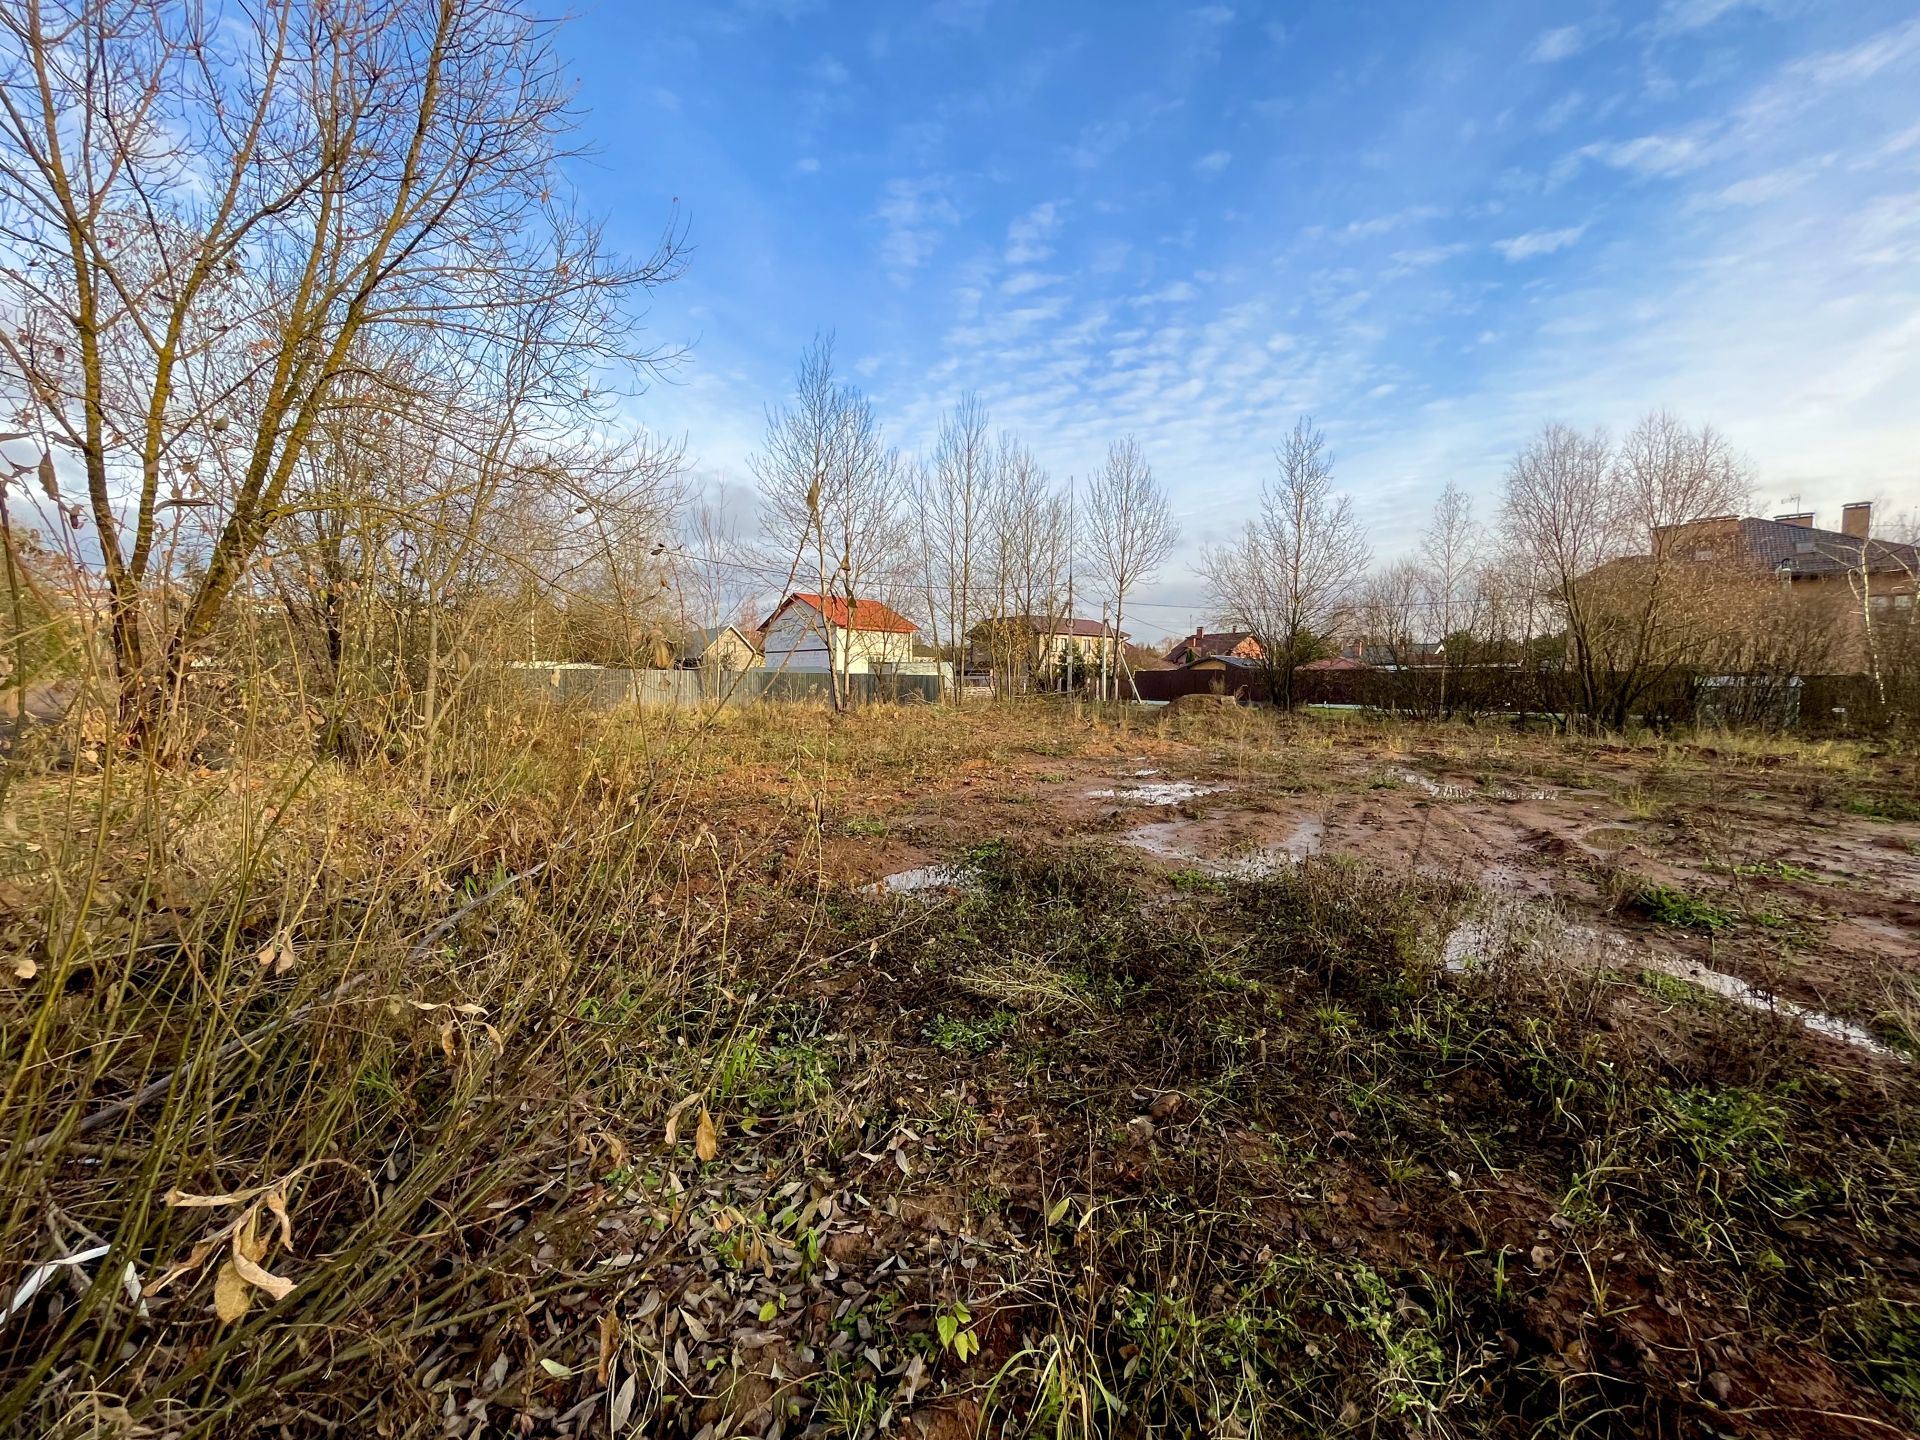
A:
x: 1014, y: 1071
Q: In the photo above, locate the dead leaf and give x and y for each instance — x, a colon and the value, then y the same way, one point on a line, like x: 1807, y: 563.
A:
x: 249, y: 1249
x: 276, y: 954
x: 609, y: 1344
x: 277, y: 1203
x: 278, y: 1286
x: 247, y: 1240
x: 231, y: 1294
x: 182, y: 1200
x: 673, y: 1119
x: 621, y: 1406
x: 25, y: 968
x: 706, y: 1140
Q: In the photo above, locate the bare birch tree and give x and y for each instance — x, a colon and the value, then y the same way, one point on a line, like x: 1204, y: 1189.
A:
x: 956, y: 500
x: 1452, y: 555
x: 1295, y: 570
x: 1031, y: 532
x: 1129, y: 526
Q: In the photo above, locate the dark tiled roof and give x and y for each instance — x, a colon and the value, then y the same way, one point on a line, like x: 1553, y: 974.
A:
x: 1235, y: 662
x: 1802, y: 550
x: 1205, y: 647
x: 1057, y: 625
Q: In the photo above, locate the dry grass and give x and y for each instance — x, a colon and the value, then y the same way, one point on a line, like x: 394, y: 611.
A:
x: 563, y: 1092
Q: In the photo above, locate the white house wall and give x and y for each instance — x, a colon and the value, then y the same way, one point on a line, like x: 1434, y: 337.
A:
x: 796, y: 642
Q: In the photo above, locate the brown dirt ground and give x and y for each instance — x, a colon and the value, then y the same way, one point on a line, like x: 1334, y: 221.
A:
x: 1824, y: 905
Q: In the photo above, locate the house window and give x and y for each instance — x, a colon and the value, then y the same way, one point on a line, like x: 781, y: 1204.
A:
x: 1703, y: 553
x: 1803, y: 547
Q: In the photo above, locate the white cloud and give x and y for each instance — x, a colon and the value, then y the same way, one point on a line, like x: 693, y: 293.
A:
x: 1560, y: 112
x: 1646, y: 155
x: 1559, y: 44
x: 1030, y: 238
x: 1379, y: 224
x: 807, y: 164
x: 1681, y: 16
x: 1025, y: 281
x: 1424, y: 257
x: 1539, y: 242
x: 1213, y: 162
x: 916, y: 214
x: 1097, y: 142
x: 828, y: 71
x: 1178, y: 293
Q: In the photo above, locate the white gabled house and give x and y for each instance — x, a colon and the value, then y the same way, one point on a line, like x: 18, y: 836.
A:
x: 865, y: 637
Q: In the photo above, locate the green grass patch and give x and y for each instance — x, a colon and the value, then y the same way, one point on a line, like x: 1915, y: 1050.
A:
x: 1666, y: 905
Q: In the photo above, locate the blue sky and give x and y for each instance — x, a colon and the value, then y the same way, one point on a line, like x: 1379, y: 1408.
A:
x: 1431, y: 225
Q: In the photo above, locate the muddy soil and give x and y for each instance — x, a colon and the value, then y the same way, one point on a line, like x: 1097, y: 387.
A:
x: 1797, y: 900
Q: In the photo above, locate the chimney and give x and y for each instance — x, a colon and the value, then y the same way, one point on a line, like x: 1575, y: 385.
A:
x: 1199, y: 632
x: 1804, y: 519
x: 1857, y: 519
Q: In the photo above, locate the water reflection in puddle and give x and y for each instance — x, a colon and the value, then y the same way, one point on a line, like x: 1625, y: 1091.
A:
x: 1163, y: 840
x: 1481, y: 937
x: 1159, y: 792
x: 919, y: 880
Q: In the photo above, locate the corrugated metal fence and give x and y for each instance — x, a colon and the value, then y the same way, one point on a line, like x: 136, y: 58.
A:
x: 607, y: 686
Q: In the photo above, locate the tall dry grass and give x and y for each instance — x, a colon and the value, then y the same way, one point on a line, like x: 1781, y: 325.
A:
x: 310, y: 1063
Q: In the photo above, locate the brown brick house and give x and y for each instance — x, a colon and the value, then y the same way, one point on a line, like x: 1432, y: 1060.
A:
x: 1839, y: 577
x: 1202, y: 646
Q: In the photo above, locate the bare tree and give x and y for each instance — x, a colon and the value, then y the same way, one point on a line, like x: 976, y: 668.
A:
x: 213, y: 220
x: 1610, y: 535
x: 956, y: 500
x: 1560, y: 514
x: 1031, y: 538
x: 716, y: 574
x: 1294, y: 571
x: 1452, y: 554
x: 1883, y: 588
x: 833, y: 491
x: 1129, y: 525
x: 1390, y: 611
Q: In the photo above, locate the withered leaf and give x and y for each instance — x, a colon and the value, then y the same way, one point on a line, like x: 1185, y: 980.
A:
x: 231, y: 1294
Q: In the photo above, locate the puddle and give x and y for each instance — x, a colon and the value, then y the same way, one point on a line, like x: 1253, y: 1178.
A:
x: 1432, y: 786
x: 1483, y: 935
x: 1162, y: 839
x: 1507, y: 792
x: 1467, y: 942
x: 1731, y: 987
x: 1308, y: 838
x: 1161, y: 792
x: 1145, y: 774
x: 919, y: 880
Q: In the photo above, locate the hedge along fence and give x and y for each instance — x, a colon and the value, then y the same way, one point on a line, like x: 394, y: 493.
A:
x: 1822, y: 702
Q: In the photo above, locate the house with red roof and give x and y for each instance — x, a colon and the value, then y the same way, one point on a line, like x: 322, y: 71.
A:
x: 1242, y: 644
x: 858, y: 637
